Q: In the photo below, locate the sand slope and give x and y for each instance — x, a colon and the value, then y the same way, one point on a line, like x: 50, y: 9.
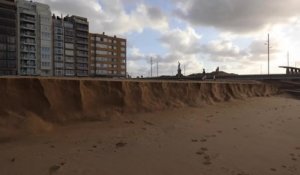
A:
x: 64, y: 100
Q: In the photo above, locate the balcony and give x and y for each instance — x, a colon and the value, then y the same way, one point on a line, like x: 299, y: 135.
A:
x: 28, y: 65
x: 82, y: 60
x: 28, y: 58
x: 80, y: 21
x: 82, y: 55
x: 28, y: 26
x: 28, y: 19
x: 82, y: 35
x: 28, y: 34
x: 69, y: 60
x: 80, y: 67
x: 82, y: 42
x: 82, y: 48
x: 84, y: 29
x: 69, y: 66
x: 30, y: 50
x: 28, y: 42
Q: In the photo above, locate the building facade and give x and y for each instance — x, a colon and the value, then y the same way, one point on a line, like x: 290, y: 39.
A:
x: 27, y: 38
x: 8, y: 37
x: 69, y: 48
x: 80, y: 35
x: 44, y: 36
x: 34, y: 38
x: 107, y: 56
x: 58, y: 46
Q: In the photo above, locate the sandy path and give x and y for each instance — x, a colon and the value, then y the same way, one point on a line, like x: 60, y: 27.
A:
x: 258, y: 136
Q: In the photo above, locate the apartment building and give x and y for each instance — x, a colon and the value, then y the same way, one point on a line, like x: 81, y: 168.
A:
x: 58, y: 46
x: 35, y: 38
x: 44, y: 39
x: 8, y: 38
x: 69, y: 48
x: 27, y: 38
x: 79, y: 29
x: 107, y: 56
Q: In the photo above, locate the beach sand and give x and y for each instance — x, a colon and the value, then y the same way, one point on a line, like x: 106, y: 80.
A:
x: 257, y: 136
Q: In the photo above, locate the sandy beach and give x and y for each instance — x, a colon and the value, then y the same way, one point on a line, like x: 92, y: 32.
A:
x: 254, y: 136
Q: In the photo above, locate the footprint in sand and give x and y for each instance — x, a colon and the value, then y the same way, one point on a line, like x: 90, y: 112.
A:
x: 273, y: 169
x: 203, y: 140
x: 129, y: 122
x: 194, y: 140
x: 148, y: 123
x: 13, y: 159
x: 200, y: 152
x: 204, y: 149
x: 120, y: 144
x: 220, y: 132
x: 284, y: 166
x: 53, y: 169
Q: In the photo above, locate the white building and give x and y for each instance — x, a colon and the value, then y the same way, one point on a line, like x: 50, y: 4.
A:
x: 44, y: 23
x: 35, y: 38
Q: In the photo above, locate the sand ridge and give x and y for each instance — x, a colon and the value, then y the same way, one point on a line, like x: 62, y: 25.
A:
x: 67, y: 100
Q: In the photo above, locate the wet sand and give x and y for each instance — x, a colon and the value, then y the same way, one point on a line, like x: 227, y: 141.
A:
x: 254, y: 136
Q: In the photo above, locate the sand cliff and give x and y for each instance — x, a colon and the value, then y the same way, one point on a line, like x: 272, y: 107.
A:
x: 64, y: 100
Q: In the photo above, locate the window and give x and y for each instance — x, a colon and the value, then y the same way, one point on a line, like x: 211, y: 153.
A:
x: 123, y: 43
x: 123, y: 55
x: 69, y: 46
x: 69, y: 52
x: 101, y: 46
x: 101, y: 52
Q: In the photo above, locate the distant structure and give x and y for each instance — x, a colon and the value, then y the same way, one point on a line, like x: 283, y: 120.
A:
x: 291, y: 70
x: 179, y: 74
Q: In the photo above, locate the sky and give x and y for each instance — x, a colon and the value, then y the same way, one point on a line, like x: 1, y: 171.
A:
x: 200, y: 34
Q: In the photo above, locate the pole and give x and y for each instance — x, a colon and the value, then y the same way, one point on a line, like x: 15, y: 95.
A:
x: 151, y: 66
x: 184, y: 70
x: 288, y: 59
x: 268, y: 54
x: 157, y: 67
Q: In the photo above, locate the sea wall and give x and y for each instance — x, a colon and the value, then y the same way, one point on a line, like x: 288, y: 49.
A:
x: 66, y: 100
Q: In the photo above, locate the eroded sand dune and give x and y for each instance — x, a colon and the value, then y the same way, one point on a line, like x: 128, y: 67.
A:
x: 64, y: 100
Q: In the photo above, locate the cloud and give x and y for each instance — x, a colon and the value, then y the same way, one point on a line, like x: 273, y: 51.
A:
x: 110, y: 16
x: 237, y: 15
x: 185, y: 41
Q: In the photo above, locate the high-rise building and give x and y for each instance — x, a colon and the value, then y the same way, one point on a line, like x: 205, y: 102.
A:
x: 107, y: 56
x: 8, y: 37
x: 44, y: 36
x: 58, y: 47
x: 35, y: 38
x: 80, y: 27
x: 69, y: 48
